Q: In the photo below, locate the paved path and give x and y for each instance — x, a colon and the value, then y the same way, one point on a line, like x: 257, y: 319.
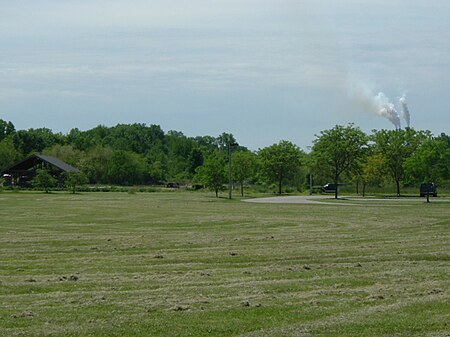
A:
x: 296, y: 199
x: 322, y: 200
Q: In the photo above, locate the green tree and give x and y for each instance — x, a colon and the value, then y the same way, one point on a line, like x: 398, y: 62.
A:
x: 195, y: 159
x: 85, y: 140
x: 66, y: 153
x: 372, y: 170
x: 95, y: 164
x: 9, y: 155
x: 280, y: 162
x: 397, y: 146
x: 138, y: 138
x: 213, y: 173
x: 244, y: 167
x: 337, y: 151
x: 207, y: 144
x: 179, y: 148
x: 6, y: 129
x: 74, y: 179
x: 224, y: 140
x: 127, y: 168
x: 156, y: 172
x: 35, y: 140
x: 431, y: 161
x: 156, y: 164
x: 44, y: 180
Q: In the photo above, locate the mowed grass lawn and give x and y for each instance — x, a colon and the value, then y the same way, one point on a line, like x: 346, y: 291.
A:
x: 188, y: 264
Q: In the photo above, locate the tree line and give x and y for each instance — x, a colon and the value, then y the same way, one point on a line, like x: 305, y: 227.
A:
x: 140, y: 154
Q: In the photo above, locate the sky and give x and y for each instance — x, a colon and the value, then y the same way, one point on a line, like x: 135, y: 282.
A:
x: 263, y: 70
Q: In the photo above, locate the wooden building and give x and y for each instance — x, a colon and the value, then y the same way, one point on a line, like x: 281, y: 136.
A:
x: 23, y: 172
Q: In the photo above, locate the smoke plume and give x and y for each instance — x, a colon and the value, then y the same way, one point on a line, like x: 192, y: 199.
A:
x: 377, y: 104
x: 405, y: 110
x: 387, y: 109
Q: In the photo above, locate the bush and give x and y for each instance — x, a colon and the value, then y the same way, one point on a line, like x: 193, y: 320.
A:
x: 44, y: 180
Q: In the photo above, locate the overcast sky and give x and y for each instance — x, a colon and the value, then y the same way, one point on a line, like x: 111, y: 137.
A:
x: 263, y: 70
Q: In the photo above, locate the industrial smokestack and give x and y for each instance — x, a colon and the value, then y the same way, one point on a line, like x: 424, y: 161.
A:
x: 405, y: 110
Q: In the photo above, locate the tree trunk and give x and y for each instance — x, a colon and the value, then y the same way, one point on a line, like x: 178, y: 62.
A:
x: 397, y: 181
x: 217, y: 192
x: 242, y: 188
x: 364, y: 190
x: 279, y: 186
x: 336, y: 182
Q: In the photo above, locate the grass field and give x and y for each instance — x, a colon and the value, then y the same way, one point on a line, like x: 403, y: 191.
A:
x: 188, y: 264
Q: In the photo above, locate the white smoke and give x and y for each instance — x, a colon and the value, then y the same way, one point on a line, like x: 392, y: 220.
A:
x: 387, y: 109
x: 377, y: 104
x: 405, y: 110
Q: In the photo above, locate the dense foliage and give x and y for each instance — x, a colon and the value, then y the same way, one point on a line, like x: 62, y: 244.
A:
x: 140, y: 154
x: 280, y: 162
x: 337, y: 151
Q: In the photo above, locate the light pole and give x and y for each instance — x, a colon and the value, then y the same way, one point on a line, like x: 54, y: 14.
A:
x: 230, y: 176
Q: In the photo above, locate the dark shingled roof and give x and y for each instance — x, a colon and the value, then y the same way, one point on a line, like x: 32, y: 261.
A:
x: 35, y: 159
x: 57, y: 163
